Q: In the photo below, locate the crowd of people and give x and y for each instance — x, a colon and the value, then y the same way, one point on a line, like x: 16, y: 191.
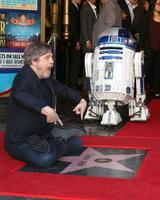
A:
x: 141, y: 18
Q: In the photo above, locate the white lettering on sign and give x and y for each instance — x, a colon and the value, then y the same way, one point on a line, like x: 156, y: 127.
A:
x: 8, y: 59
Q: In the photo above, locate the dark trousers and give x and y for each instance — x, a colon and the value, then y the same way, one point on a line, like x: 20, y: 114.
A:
x: 75, y: 66
x: 152, y: 70
x: 57, y: 148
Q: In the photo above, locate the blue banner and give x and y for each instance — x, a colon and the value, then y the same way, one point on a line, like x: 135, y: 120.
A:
x: 20, y: 25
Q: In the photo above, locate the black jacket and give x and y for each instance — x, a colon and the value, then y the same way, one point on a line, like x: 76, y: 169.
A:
x: 136, y: 25
x: 74, y: 24
x: 126, y: 23
x: 28, y: 97
x: 88, y: 20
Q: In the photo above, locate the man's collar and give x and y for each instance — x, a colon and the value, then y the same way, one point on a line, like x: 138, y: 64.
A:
x: 127, y: 2
x: 92, y: 5
x: 75, y: 5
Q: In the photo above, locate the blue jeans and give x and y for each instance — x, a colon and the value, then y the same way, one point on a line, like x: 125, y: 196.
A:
x: 57, y: 146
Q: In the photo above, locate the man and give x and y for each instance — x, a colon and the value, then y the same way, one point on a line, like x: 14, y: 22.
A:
x: 109, y: 16
x: 88, y: 19
x: 127, y: 7
x: 32, y: 114
x: 136, y: 24
x: 75, y: 66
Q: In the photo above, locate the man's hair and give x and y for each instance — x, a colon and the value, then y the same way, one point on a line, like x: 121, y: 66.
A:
x: 34, y: 51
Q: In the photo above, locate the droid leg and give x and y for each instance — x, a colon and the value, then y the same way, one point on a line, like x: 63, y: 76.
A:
x: 138, y: 111
x: 95, y: 109
x: 111, y: 116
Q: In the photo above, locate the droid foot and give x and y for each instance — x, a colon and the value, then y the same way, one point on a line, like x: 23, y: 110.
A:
x: 111, y: 118
x: 142, y: 115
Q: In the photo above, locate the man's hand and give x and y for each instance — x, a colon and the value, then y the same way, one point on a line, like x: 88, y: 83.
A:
x: 51, y: 115
x: 78, y: 46
x: 80, y: 108
x: 89, y: 45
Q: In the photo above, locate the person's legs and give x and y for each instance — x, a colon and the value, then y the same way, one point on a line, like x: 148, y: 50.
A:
x: 65, y: 147
x: 156, y: 77
x: 74, y: 68
x: 73, y: 144
x: 57, y: 146
x: 148, y: 68
x: 26, y: 154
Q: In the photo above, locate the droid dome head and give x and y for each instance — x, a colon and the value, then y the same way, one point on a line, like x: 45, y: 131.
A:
x: 116, y: 35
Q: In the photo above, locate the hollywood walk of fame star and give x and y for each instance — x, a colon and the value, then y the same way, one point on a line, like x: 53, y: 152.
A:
x: 92, y: 158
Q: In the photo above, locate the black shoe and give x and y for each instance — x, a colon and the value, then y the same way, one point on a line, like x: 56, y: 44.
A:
x: 157, y: 96
x: 66, y: 133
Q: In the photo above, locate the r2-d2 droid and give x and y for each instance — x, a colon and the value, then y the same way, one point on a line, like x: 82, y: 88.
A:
x: 114, y: 70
